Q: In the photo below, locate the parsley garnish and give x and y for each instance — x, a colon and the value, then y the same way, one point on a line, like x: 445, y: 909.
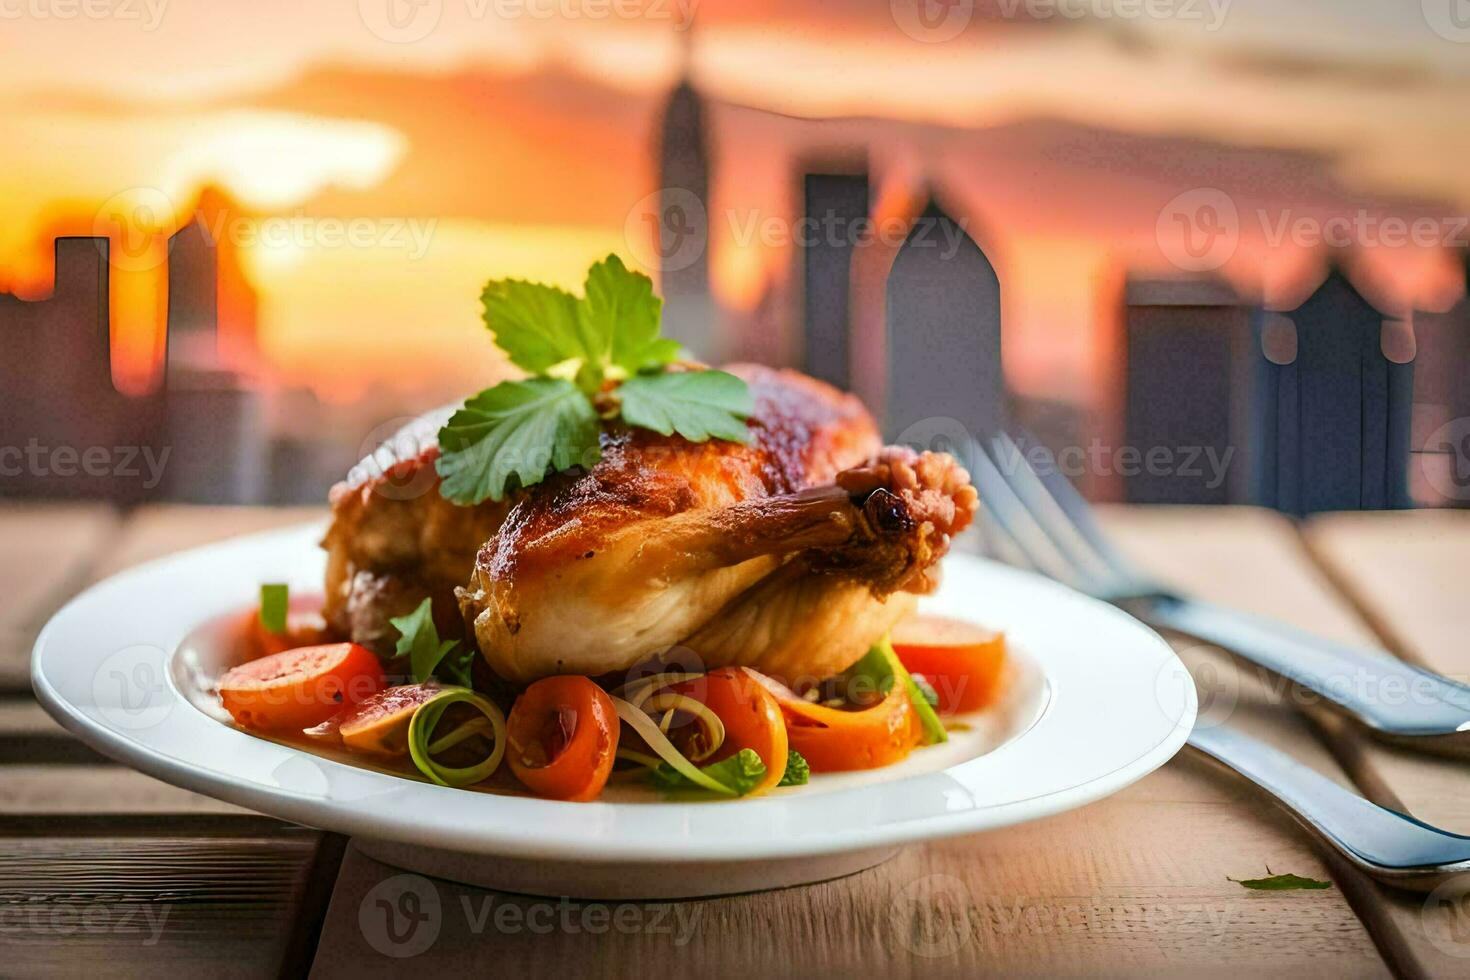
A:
x: 592, y: 358
x: 427, y: 655
x: 798, y: 773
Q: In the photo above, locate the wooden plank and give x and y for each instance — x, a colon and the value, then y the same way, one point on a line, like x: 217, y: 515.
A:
x: 1135, y: 884
x: 213, y: 897
x: 28, y: 736
x: 1077, y: 894
x: 1406, y: 572
x: 48, y: 551
x: 99, y: 789
x: 85, y: 782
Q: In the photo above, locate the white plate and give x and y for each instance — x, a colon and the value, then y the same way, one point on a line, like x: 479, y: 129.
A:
x: 1098, y: 701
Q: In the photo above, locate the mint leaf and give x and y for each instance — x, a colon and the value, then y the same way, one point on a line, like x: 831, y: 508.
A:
x: 541, y: 327
x: 418, y: 639
x: 1281, y: 883
x: 620, y: 305
x: 798, y: 773
x: 698, y: 405
x: 742, y: 772
x: 517, y: 429
x: 275, y: 604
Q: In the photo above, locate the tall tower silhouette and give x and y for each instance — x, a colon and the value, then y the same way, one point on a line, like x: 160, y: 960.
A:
x: 683, y: 217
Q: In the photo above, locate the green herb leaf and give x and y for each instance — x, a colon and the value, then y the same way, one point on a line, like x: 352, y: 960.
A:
x: 517, y: 429
x: 1281, y: 883
x: 275, y: 604
x: 798, y: 773
x: 620, y: 305
x: 541, y: 328
x: 698, y: 405
x: 418, y: 639
x: 741, y: 773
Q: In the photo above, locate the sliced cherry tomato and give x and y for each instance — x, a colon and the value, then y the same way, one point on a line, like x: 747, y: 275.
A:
x: 378, y: 724
x: 964, y: 663
x: 839, y: 740
x: 751, y: 716
x: 563, y: 734
x: 300, y: 688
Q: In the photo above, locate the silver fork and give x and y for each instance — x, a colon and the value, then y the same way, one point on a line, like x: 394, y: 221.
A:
x: 1048, y: 527
x: 1054, y: 530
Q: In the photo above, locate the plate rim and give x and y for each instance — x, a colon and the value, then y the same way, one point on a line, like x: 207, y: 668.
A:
x: 349, y: 816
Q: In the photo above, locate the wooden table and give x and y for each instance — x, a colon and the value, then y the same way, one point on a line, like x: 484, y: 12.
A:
x: 102, y: 868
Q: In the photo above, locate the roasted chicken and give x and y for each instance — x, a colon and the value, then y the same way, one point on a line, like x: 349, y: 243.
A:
x: 791, y: 554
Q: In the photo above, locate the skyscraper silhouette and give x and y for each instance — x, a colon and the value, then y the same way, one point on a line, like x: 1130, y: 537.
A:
x: 683, y: 219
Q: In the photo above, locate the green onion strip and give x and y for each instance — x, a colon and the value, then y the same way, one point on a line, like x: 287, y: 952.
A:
x: 647, y: 728
x: 426, y: 719
x: 644, y: 694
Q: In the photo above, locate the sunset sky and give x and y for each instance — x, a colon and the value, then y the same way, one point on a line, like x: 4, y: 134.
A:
x: 513, y: 137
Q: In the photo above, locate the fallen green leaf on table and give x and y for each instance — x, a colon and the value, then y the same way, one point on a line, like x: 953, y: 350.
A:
x: 1281, y: 883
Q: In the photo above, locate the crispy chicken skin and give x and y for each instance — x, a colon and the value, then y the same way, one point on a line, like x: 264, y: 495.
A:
x: 792, y: 553
x: 392, y: 542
